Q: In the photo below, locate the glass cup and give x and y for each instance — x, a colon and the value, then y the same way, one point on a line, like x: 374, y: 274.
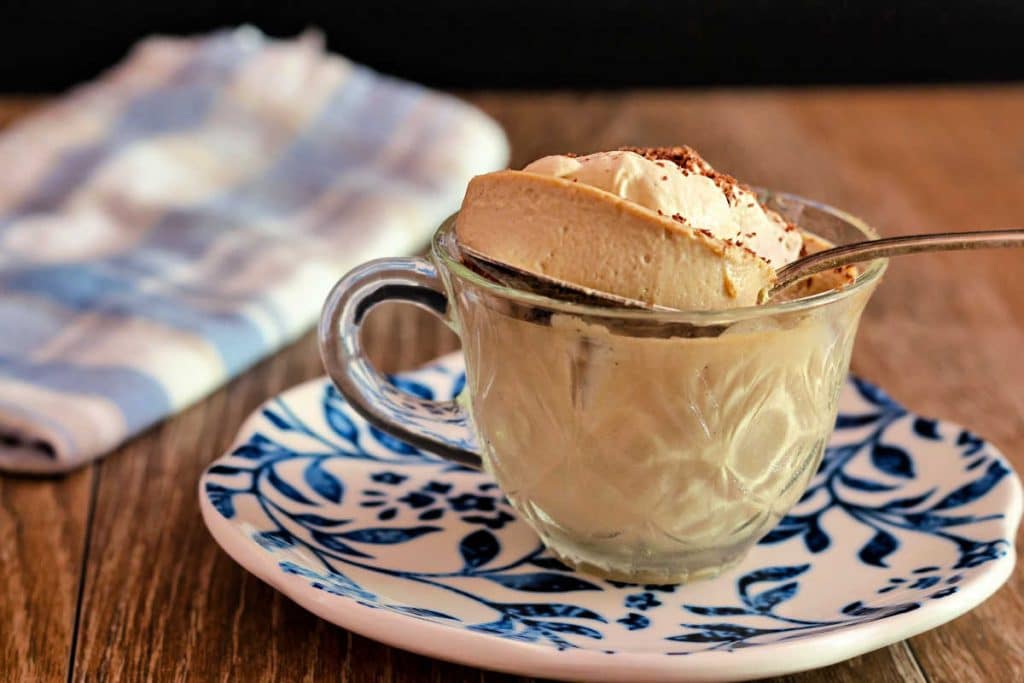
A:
x: 641, y: 446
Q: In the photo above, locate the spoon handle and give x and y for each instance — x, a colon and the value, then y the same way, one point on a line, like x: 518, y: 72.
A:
x: 894, y: 246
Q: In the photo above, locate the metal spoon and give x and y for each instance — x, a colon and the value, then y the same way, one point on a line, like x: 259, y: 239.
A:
x: 786, y: 276
x: 859, y: 252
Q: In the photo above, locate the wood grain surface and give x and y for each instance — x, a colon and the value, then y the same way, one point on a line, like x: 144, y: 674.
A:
x: 109, y: 574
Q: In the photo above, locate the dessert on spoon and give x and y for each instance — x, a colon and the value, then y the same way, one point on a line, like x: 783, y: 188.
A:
x: 659, y: 228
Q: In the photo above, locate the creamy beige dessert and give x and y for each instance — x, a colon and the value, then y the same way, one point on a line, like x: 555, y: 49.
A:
x: 658, y: 225
x: 648, y: 457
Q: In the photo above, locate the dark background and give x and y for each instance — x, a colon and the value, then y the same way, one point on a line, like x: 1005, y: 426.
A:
x: 48, y: 45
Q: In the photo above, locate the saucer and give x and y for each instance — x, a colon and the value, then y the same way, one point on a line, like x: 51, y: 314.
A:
x: 908, y: 524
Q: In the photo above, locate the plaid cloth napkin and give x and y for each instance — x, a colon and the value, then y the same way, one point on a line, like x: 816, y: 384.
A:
x: 165, y: 227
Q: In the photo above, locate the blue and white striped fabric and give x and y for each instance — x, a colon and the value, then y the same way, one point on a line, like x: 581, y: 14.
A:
x: 165, y: 227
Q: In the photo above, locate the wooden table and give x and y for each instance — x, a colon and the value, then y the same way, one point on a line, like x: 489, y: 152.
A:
x: 109, y: 574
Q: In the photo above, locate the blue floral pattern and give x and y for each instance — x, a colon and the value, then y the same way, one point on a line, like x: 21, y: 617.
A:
x: 914, y: 506
x: 879, y: 503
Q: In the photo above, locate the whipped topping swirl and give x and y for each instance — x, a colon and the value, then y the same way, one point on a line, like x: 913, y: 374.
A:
x: 678, y: 183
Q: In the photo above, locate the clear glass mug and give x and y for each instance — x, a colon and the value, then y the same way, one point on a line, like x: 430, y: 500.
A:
x: 641, y: 446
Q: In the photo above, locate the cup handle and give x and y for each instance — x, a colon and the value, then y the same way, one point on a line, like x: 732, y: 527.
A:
x: 441, y: 427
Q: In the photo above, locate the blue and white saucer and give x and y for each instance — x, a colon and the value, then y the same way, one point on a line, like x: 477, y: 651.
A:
x: 909, y: 523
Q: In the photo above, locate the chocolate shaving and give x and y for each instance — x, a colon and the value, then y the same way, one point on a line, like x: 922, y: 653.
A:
x: 687, y: 159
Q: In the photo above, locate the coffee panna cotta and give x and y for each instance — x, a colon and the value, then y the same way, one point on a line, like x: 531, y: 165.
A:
x: 682, y: 450
x: 658, y: 225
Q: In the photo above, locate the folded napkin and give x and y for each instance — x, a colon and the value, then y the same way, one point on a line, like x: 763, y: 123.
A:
x: 165, y: 227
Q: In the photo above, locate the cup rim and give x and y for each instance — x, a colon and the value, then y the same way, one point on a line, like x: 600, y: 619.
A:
x: 869, y: 275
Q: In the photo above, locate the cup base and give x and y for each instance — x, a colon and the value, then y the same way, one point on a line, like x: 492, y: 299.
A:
x: 694, y: 568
